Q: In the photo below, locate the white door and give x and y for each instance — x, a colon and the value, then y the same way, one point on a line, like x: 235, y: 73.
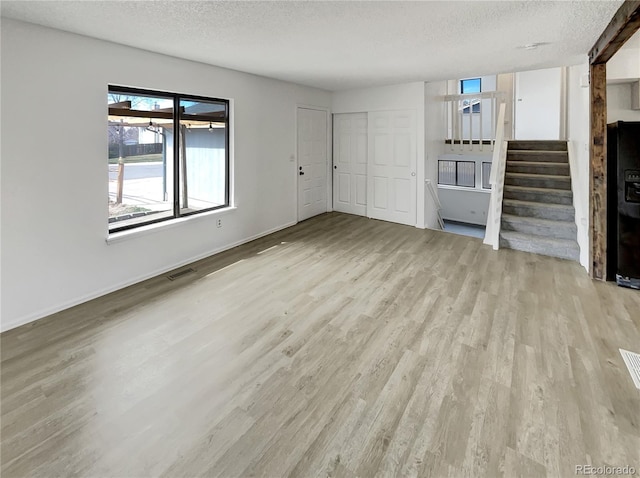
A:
x: 350, y: 163
x: 312, y: 163
x: 391, y: 189
x: 537, y: 106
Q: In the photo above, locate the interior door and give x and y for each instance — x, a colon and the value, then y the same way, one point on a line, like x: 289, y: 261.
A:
x: 537, y: 106
x: 312, y: 163
x: 350, y: 163
x: 391, y: 188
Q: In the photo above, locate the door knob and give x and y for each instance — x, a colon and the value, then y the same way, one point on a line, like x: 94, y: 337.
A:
x: 413, y: 174
x: 335, y: 167
x: 301, y: 173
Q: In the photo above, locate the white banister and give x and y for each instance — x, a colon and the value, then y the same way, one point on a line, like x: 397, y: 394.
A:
x: 498, y: 167
x: 466, y: 127
x: 470, y: 118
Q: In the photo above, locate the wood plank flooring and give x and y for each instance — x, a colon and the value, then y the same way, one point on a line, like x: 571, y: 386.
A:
x: 340, y: 347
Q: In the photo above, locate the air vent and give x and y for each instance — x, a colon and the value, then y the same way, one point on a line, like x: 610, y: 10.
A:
x: 181, y: 273
x: 632, y: 361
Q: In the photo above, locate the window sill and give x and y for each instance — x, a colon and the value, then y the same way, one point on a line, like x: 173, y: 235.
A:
x: 160, y: 226
x: 463, y: 188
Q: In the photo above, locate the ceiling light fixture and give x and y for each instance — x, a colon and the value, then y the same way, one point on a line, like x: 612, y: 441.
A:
x: 532, y: 46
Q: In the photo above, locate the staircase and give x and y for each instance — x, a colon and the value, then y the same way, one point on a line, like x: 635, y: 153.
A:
x: 537, y: 208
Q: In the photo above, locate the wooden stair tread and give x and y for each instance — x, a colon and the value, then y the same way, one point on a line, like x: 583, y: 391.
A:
x: 537, y: 221
x: 540, y: 176
x: 519, y: 202
x: 563, y: 192
x: 536, y: 151
x: 552, y: 240
x: 544, y: 164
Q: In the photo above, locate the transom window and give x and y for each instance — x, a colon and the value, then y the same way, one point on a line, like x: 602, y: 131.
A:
x: 471, y: 85
x: 168, y: 156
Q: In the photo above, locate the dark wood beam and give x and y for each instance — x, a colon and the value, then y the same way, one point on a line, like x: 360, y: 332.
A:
x: 140, y: 114
x: 622, y: 26
x: 598, y: 171
x: 159, y: 114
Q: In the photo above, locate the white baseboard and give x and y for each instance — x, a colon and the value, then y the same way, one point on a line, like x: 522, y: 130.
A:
x: 107, y: 290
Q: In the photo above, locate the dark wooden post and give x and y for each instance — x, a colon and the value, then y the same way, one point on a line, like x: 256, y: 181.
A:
x: 598, y: 171
x: 622, y: 26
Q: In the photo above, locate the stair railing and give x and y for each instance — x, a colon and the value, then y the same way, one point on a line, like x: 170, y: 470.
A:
x: 498, y: 168
x: 466, y: 116
x: 436, y: 201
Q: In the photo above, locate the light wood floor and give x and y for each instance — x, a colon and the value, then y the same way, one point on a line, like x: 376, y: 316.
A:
x: 339, y: 347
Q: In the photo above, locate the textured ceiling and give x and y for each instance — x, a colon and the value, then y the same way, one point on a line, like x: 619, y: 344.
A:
x: 339, y: 45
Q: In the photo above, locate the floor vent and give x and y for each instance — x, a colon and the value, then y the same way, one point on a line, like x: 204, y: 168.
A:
x: 632, y: 360
x: 181, y: 273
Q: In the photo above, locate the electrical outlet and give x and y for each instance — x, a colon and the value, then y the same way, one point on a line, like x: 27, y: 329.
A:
x: 219, y: 223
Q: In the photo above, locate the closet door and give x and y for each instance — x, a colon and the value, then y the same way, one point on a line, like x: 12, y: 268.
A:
x: 391, y: 190
x: 350, y: 163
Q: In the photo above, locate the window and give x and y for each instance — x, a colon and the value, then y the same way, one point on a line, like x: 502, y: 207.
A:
x: 447, y: 172
x: 168, y: 156
x: 486, y: 175
x: 471, y: 85
x: 457, y: 173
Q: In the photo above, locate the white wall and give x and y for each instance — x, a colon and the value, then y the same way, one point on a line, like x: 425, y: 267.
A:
x: 578, y: 133
x: 407, y: 96
x: 619, y: 103
x: 461, y: 205
x: 538, y: 106
x: 435, y: 130
x: 54, y: 167
x: 506, y: 83
x: 624, y: 65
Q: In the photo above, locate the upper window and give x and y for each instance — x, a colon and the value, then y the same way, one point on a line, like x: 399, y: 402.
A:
x: 471, y: 85
x: 168, y: 156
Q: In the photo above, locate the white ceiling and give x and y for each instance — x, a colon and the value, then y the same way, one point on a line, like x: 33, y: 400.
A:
x: 338, y: 45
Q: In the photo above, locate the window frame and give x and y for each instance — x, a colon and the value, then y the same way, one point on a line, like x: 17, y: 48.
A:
x: 176, y: 99
x: 473, y: 108
x: 488, y: 175
x: 457, y: 184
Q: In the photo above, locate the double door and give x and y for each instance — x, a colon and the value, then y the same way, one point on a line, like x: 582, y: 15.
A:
x: 374, y: 171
